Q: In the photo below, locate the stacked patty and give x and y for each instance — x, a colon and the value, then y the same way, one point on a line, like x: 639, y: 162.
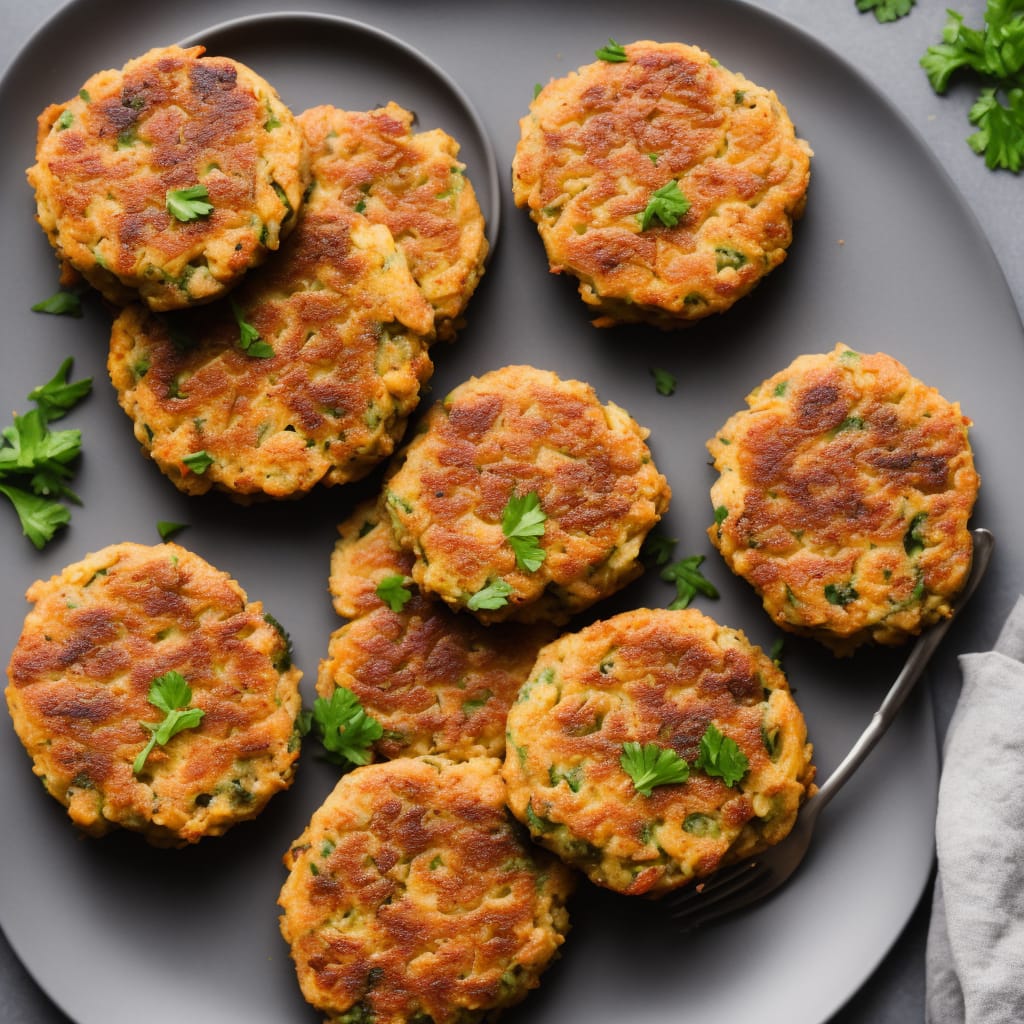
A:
x: 665, y: 183
x: 319, y: 395
x: 844, y: 496
x: 80, y: 686
x: 413, y: 184
x: 519, y: 455
x: 170, y: 178
x: 413, y: 896
x: 667, y: 681
x: 438, y: 682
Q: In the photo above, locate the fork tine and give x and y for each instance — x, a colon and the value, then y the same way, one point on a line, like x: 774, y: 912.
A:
x: 724, y: 908
x: 720, y: 886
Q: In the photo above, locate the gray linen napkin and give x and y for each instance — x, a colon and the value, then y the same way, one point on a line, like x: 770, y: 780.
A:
x: 975, y: 953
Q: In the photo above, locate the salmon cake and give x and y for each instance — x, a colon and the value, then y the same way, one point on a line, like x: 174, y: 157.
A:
x: 413, y: 896
x: 667, y: 184
x: 438, y: 682
x: 844, y: 494
x: 653, y: 748
x: 152, y: 695
x: 522, y: 496
x: 167, y: 180
x: 306, y: 376
x: 414, y: 184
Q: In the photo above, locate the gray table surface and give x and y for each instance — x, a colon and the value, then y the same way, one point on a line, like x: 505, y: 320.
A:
x: 887, y: 55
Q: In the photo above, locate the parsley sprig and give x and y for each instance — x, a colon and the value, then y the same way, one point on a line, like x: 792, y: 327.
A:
x: 995, y: 55
x: 346, y: 730
x: 613, y: 52
x: 721, y: 757
x: 689, y: 581
x: 664, y: 382
x: 61, y: 303
x: 522, y: 522
x: 650, y: 765
x: 190, y: 203
x: 249, y: 340
x: 394, y: 591
x: 657, y: 550
x: 494, y: 595
x: 886, y: 10
x: 666, y: 204
x: 35, y: 461
x: 199, y: 462
x: 167, y: 529
x: 171, y: 694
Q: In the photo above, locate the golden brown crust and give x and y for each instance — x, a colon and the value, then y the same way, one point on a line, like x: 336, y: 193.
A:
x: 349, y: 333
x: 519, y: 430
x: 170, y: 119
x: 654, y: 677
x: 844, y: 497
x: 79, y: 680
x: 600, y: 141
x: 439, y: 683
x: 413, y: 184
x: 411, y: 895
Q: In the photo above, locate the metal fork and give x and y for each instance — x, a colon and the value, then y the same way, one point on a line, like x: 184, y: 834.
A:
x: 737, y: 887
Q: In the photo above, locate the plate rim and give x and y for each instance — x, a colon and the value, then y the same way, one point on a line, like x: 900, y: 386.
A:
x: 492, y: 218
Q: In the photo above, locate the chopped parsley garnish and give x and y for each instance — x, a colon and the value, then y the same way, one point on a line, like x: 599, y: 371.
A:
x: 58, y: 396
x: 995, y: 54
x: 913, y: 541
x: 1000, y: 134
x: 282, y: 661
x: 522, y: 522
x: 272, y: 120
x: 689, y: 581
x: 572, y: 777
x: 886, y: 10
x: 537, y: 87
x: 726, y: 258
x: 657, y: 549
x: 667, y: 204
x: 171, y: 694
x: 664, y: 382
x: 249, y: 340
x: 199, y: 462
x: 775, y: 652
x: 394, y: 591
x: 40, y: 518
x: 720, y: 757
x: 66, y: 120
x: 494, y: 595
x: 649, y: 765
x: 61, y: 303
x: 167, y: 529
x: 346, y: 730
x: 850, y: 423
x: 613, y: 52
x: 35, y: 461
x: 190, y: 203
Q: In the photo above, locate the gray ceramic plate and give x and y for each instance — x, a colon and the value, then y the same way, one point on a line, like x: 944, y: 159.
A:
x: 886, y: 258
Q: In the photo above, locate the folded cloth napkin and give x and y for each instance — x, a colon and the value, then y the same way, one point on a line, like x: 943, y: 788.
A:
x: 975, y: 953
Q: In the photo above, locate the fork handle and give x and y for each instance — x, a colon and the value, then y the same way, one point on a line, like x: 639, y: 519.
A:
x: 919, y: 656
